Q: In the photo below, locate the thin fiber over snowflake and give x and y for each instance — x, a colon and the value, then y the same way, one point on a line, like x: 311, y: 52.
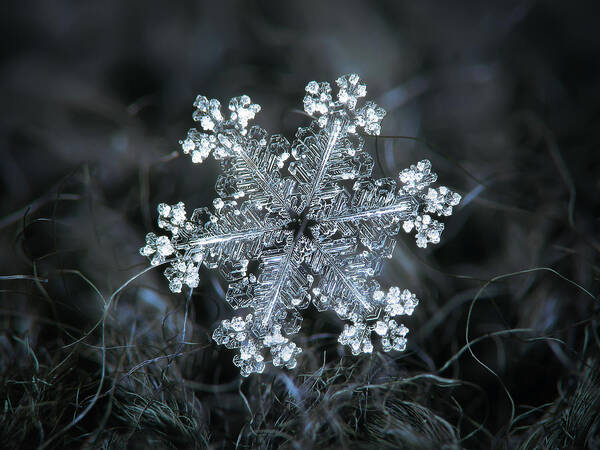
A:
x: 310, y: 214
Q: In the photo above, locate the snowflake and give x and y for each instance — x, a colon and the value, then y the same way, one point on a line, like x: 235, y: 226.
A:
x: 310, y: 214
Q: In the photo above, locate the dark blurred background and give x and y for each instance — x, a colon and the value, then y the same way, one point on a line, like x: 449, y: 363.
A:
x: 504, y: 99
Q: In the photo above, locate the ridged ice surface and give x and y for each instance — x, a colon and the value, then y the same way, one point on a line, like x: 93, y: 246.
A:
x: 288, y: 207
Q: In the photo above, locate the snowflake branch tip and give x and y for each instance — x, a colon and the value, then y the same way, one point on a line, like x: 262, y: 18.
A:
x: 319, y: 103
x: 439, y: 201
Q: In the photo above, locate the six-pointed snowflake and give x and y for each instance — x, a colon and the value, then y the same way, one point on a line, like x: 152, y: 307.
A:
x: 311, y: 215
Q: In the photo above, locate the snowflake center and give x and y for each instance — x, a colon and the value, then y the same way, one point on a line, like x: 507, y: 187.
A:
x: 301, y: 225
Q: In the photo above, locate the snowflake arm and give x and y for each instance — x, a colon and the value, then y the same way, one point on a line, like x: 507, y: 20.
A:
x: 345, y: 279
x: 375, y: 213
x: 226, y: 239
x: 327, y: 155
x: 282, y: 285
x: 276, y: 294
x: 251, y: 161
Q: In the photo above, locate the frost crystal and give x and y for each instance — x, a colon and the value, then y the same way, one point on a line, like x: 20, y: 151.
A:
x: 310, y: 214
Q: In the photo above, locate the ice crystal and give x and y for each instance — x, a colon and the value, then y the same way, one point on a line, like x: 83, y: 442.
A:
x: 310, y: 214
